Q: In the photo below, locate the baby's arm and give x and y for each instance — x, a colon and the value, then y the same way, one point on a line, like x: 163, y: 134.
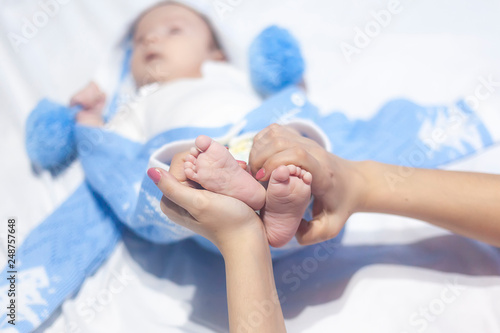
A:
x: 239, y: 234
x: 92, y: 99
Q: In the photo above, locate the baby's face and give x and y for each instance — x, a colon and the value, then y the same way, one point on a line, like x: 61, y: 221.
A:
x: 171, y: 42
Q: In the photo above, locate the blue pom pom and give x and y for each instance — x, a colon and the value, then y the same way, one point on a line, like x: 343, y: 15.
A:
x: 50, y: 141
x: 275, y: 61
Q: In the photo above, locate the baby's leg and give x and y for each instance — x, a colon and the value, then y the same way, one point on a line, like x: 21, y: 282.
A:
x: 212, y: 166
x: 288, y: 195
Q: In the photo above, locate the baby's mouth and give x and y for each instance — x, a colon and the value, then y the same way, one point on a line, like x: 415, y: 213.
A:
x: 152, y: 56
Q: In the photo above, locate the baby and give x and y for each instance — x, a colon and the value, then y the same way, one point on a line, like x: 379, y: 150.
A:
x: 171, y: 42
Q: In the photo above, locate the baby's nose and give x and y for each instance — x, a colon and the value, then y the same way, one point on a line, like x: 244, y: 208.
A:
x: 151, y: 38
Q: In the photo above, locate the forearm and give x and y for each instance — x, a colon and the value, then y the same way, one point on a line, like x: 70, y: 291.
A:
x: 463, y: 202
x: 251, y: 292
x: 239, y: 234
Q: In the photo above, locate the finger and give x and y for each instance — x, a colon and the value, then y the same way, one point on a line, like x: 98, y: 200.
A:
x: 272, y: 140
x: 264, y: 132
x: 190, y: 199
x: 99, y: 106
x: 88, y: 97
x: 79, y: 100
x: 264, y: 149
x: 177, y: 169
x: 260, y: 145
x: 296, y: 156
x: 291, y: 131
x: 242, y: 164
x: 82, y: 98
x: 317, y: 230
x: 274, y: 129
x: 177, y: 166
x: 177, y: 214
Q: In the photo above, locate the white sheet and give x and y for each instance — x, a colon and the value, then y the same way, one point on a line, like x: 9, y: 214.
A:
x: 389, y: 269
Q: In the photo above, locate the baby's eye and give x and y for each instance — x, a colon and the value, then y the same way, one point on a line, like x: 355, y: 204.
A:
x: 138, y: 40
x: 175, y: 30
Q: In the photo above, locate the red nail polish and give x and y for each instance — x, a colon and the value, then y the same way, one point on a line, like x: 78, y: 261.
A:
x: 260, y: 174
x: 155, y: 175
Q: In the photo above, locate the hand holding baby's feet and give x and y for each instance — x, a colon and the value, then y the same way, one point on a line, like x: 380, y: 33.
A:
x: 288, y: 195
x: 220, y: 218
x: 177, y: 169
x: 212, y: 166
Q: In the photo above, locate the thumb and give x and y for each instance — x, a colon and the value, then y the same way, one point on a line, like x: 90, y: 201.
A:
x: 319, y: 229
x: 182, y: 195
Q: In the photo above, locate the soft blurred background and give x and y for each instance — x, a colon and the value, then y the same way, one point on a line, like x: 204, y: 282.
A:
x: 433, y: 53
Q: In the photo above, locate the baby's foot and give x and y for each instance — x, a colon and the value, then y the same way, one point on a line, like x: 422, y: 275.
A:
x: 287, y: 198
x: 212, y: 166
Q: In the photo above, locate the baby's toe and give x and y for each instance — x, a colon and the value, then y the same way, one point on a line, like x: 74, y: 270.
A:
x: 202, y: 142
x: 194, y: 152
x: 189, y: 166
x: 190, y: 158
x: 281, y: 174
x: 190, y: 174
x: 291, y: 169
x: 307, y: 178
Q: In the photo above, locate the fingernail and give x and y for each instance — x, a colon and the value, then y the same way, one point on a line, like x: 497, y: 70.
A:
x: 155, y: 175
x: 260, y: 174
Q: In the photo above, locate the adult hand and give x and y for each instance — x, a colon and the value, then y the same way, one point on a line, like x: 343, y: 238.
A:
x: 177, y: 169
x: 337, y: 184
x: 221, y: 219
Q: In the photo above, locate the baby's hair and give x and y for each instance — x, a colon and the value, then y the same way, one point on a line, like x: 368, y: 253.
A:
x: 214, y: 45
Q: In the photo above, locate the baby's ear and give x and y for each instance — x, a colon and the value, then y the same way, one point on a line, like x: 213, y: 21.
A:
x: 217, y: 55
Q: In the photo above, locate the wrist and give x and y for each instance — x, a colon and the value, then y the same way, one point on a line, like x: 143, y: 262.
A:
x: 364, y: 179
x: 377, y: 190
x: 235, y: 244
